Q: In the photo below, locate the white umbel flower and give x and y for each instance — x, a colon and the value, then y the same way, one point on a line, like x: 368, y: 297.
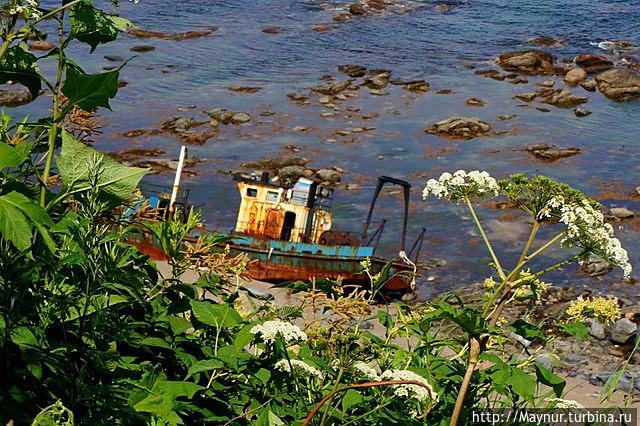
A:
x: 28, y: 8
x: 586, y: 228
x: 367, y: 372
x: 269, y: 331
x: 461, y: 183
x: 562, y: 403
x: 413, y: 391
x: 297, y: 366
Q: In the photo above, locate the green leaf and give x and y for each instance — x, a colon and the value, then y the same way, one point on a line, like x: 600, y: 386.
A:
x: 74, y: 162
x: 155, y: 341
x: 205, y: 365
x: 20, y: 65
x: 179, y: 325
x: 522, y: 384
x: 14, y: 226
x: 385, y: 319
x: 576, y: 329
x: 215, y: 315
x: 546, y: 377
x: 527, y: 330
x: 23, y: 336
x: 90, y: 91
x: 351, y: 397
x: 13, y: 156
x: 92, y: 26
x: 263, y: 375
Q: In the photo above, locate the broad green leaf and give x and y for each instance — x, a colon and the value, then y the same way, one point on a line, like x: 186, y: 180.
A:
x: 243, y: 337
x: 351, y: 397
x: 92, y: 26
x: 90, y: 91
x: 14, y: 226
x: 263, y: 375
x: 13, y: 156
x: 215, y: 315
x: 527, y: 330
x: 576, y: 329
x: 156, y: 341
x: 21, y: 66
x: 179, y: 325
x: 546, y: 377
x: 522, y: 384
x: 74, y: 162
x: 205, y: 365
x: 36, y: 370
x: 23, y: 336
x: 175, y: 389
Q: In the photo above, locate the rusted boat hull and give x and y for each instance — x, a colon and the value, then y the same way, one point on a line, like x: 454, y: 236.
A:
x: 276, y: 261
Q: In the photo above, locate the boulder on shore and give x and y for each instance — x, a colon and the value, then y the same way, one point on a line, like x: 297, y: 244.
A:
x: 548, y: 152
x: 593, y: 63
x: 460, y: 128
x: 575, y: 76
x: 619, y: 85
x: 532, y: 62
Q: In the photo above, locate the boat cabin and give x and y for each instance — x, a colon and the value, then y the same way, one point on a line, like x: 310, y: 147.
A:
x: 298, y: 214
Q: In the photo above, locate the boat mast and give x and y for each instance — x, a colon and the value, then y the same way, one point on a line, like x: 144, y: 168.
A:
x: 176, y: 181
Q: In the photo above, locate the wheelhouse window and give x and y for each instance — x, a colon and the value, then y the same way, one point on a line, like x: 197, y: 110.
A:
x: 252, y: 192
x: 272, y: 196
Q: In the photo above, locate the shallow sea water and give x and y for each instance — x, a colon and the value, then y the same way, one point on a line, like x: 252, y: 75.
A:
x: 419, y: 44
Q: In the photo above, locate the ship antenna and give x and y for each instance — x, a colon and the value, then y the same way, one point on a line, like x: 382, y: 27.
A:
x: 176, y: 181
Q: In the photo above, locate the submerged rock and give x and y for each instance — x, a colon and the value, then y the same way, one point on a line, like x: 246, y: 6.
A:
x: 42, y: 45
x: 114, y: 58
x: 460, y: 128
x: 142, y: 33
x: 589, y: 85
x: 14, y: 98
x: 565, y: 99
x: 475, y: 102
x: 377, y: 79
x: 332, y: 88
x: 353, y: 71
x: 581, y: 112
x: 244, y: 89
x: 596, y: 266
x: 142, y: 49
x: 527, y: 97
x: 528, y: 61
x: 274, y: 30
x: 575, y: 76
x: 593, y: 63
x: 416, y: 86
x: 329, y: 175
x: 357, y: 9
x: 619, y: 85
x: 181, y: 124
x: 547, y: 41
x: 549, y: 152
x: 240, y: 118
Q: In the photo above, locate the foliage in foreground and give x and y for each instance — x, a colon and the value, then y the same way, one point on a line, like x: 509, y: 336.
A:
x: 92, y: 333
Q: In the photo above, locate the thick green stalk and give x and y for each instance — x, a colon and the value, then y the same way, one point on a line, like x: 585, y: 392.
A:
x: 8, y: 36
x: 53, y: 130
x: 486, y: 240
x: 323, y: 421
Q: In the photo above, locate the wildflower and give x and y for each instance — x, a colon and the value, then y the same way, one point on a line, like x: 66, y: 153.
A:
x: 586, y: 228
x: 295, y: 365
x: 367, y: 372
x: 461, y: 184
x: 270, y: 330
x: 603, y: 309
x: 28, y: 8
x: 418, y: 392
x: 489, y: 283
x: 562, y: 403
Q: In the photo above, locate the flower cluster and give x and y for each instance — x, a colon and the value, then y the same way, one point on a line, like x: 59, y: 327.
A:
x: 587, y: 229
x: 461, y: 184
x: 489, y: 284
x: 295, y: 365
x: 367, y: 372
x: 418, y: 392
x: 28, y: 8
x: 562, y: 403
x: 603, y: 309
x: 530, y: 288
x: 270, y: 330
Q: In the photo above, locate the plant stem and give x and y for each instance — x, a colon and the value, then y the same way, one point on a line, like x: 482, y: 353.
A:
x: 546, y: 246
x: 53, y: 130
x: 357, y: 386
x: 378, y: 408
x: 8, y: 36
x: 474, y: 356
x: 486, y: 240
x: 326, y: 411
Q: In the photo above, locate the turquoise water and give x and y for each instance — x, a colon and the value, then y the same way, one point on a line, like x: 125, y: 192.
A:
x: 419, y: 44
